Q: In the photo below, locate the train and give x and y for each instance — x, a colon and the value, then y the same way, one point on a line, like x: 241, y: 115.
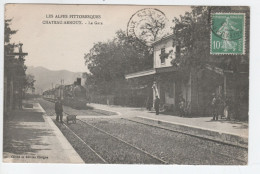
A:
x: 73, y: 95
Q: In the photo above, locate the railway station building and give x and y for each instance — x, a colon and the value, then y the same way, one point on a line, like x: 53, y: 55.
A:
x: 195, y: 86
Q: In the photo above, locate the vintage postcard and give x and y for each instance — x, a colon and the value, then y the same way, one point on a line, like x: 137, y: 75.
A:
x: 126, y: 84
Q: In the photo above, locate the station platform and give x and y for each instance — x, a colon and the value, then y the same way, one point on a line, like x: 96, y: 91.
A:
x: 31, y: 137
x: 231, y: 132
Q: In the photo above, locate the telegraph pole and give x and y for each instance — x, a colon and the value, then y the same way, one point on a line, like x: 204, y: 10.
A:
x: 15, y: 78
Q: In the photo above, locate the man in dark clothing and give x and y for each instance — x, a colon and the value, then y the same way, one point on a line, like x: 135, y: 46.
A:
x: 149, y: 103
x: 181, y: 105
x: 157, y: 105
x: 214, y: 107
x: 58, y: 110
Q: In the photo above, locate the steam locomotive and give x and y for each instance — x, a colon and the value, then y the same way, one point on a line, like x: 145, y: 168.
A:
x: 73, y: 95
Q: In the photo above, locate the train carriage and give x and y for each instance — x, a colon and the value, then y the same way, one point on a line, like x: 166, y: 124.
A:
x: 73, y: 95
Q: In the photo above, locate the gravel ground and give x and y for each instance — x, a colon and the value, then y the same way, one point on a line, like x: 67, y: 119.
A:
x: 49, y: 108
x: 175, y: 148
x: 111, y: 149
x: 85, y: 153
x: 172, y: 147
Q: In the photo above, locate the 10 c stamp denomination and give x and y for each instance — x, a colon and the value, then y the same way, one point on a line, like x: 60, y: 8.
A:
x: 227, y: 33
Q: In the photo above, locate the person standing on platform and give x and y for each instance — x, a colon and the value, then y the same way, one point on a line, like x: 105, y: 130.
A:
x: 214, y: 107
x: 181, y: 105
x: 59, y: 110
x: 157, y: 105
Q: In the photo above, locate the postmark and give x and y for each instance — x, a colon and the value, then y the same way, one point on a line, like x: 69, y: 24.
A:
x: 227, y: 33
x: 147, y: 25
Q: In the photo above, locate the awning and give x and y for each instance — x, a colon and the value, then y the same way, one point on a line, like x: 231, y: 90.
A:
x: 166, y: 69
x: 215, y: 69
x: 140, y: 74
x: 150, y: 72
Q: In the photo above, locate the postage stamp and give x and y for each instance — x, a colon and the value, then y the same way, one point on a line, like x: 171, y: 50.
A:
x: 227, y: 33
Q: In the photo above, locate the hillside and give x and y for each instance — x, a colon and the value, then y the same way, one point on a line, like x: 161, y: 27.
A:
x: 45, y: 78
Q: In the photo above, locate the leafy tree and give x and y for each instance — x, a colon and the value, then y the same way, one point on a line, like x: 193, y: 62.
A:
x: 8, y: 31
x: 151, y: 28
x: 192, y: 34
x: 14, y: 68
x: 29, y: 82
x: 108, y: 62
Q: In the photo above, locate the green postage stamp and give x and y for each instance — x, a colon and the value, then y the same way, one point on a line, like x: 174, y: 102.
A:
x: 227, y: 33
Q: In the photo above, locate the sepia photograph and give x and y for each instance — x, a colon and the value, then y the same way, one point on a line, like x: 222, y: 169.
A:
x: 126, y: 84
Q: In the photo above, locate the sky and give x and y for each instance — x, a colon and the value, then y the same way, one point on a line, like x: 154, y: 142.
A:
x: 62, y: 46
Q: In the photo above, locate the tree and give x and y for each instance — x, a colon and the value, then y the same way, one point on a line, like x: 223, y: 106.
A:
x: 152, y: 27
x: 14, y: 68
x: 8, y: 47
x: 29, y: 82
x: 8, y: 31
x: 108, y: 62
x: 192, y: 34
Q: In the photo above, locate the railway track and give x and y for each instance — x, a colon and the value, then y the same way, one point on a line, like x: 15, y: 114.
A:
x: 97, y: 145
x: 117, y: 139
x: 98, y: 155
x: 143, y: 151
x: 121, y: 140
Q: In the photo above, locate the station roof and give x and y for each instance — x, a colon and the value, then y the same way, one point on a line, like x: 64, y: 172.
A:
x: 151, y: 72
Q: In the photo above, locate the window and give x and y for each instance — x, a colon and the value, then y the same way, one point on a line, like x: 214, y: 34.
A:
x: 162, y: 55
